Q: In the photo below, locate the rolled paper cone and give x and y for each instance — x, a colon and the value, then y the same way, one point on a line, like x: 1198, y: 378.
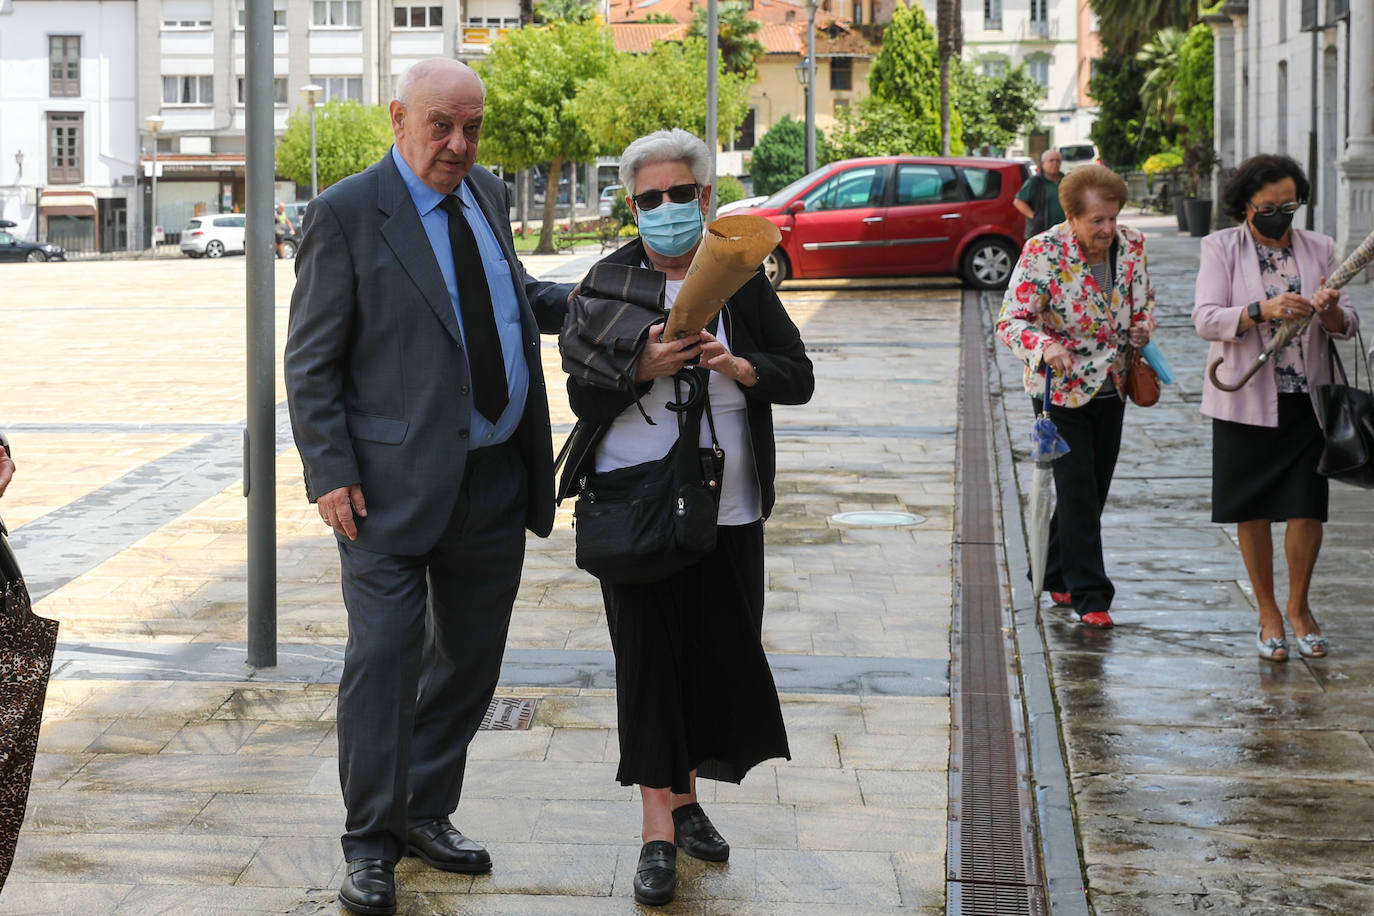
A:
x: 1352, y: 265
x: 731, y: 249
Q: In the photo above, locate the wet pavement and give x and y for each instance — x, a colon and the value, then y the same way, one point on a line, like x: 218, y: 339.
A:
x: 174, y: 778
x: 1203, y: 777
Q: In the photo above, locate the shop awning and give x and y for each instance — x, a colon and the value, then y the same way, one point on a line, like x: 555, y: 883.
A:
x: 67, y: 203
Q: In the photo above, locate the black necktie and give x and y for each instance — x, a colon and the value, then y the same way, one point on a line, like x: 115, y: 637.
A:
x: 488, y: 366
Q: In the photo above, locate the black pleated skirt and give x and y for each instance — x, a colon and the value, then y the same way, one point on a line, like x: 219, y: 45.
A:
x: 693, y: 687
x: 1262, y: 472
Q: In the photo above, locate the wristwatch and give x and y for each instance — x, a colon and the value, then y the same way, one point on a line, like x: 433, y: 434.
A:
x: 1255, y: 312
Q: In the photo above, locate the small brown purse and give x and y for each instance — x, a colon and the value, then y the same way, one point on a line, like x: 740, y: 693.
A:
x: 1142, y: 382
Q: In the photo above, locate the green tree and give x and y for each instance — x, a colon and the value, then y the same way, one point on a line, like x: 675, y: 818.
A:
x: 879, y: 127
x: 728, y: 189
x: 641, y: 93
x: 995, y: 109
x: 1193, y: 89
x: 533, y: 77
x: 780, y: 155
x: 575, y: 11
x: 1159, y: 58
x: 348, y: 138
x: 1121, y: 132
x: 906, y: 74
x: 735, y: 39
x: 1122, y: 24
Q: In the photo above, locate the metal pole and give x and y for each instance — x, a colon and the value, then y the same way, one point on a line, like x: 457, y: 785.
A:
x: 712, y: 73
x: 314, y: 162
x: 811, y: 86
x: 152, y: 228
x: 260, y: 438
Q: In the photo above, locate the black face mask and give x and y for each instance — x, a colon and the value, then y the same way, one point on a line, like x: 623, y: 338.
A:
x: 1272, y: 227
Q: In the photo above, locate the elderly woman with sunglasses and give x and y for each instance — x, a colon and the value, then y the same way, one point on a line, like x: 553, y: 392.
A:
x: 694, y: 693
x: 1266, y: 438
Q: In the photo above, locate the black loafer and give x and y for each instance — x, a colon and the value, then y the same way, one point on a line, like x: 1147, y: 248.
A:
x: 441, y: 846
x: 369, y: 888
x: 656, y: 876
x: 697, y: 836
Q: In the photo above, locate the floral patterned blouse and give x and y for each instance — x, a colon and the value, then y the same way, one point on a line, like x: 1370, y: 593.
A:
x: 1279, y: 274
x: 1053, y: 298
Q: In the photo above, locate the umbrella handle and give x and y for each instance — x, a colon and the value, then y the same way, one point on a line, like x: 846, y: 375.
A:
x: 1049, y: 372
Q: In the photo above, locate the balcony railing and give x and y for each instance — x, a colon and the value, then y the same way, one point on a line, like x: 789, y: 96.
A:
x: 482, y: 36
x: 1039, y: 29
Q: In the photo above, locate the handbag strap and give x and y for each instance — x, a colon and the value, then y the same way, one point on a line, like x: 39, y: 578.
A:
x: 1335, y: 362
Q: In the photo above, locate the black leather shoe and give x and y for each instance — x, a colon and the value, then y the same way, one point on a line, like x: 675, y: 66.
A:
x: 369, y: 888
x: 697, y: 836
x: 440, y: 845
x: 656, y: 876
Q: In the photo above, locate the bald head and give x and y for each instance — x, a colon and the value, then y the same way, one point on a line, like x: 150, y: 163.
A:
x: 436, y: 118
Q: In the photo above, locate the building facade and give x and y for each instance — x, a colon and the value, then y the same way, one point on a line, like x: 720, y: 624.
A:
x: 69, y: 137
x: 1286, y: 81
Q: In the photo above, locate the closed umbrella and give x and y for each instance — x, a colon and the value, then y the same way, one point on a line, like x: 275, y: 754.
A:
x: 1046, y: 445
x: 27, y: 643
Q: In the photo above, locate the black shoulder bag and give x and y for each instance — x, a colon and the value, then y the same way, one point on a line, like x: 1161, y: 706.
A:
x: 1347, y: 414
x: 647, y: 521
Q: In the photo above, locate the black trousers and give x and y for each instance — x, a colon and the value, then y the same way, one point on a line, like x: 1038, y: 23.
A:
x: 425, y: 639
x: 1081, y: 481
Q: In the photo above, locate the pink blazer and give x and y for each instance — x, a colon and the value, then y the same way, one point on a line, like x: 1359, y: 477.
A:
x: 1228, y: 280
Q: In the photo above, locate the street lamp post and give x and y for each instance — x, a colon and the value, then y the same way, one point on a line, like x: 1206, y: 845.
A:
x: 154, y: 125
x: 311, y: 95
x: 806, y: 75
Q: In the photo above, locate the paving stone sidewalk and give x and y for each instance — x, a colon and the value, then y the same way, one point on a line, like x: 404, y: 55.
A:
x: 1203, y: 777
x: 172, y: 778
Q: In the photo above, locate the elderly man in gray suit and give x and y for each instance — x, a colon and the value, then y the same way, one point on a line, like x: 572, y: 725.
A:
x: 419, y: 409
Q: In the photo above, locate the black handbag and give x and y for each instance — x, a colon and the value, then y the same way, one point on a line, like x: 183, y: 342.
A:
x: 1347, y: 413
x: 645, y: 522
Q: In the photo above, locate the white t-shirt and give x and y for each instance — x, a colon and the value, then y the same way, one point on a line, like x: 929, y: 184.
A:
x: 631, y: 441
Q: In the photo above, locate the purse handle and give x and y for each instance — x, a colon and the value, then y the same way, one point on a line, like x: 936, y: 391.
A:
x: 1335, y: 362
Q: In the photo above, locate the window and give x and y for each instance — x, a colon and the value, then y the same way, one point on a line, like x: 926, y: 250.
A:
x: 340, y: 13
x: 64, y: 148
x: 857, y: 187
x: 278, y: 14
x: 841, y: 73
x: 992, y: 15
x: 926, y: 184
x: 858, y: 17
x: 64, y: 65
x: 340, y: 87
x: 188, y: 90
x: 984, y: 183
x: 1039, y: 70
x: 1039, y: 10
x: 278, y: 91
x: 1282, y: 115
x: 186, y: 14
x: 417, y: 17
x: 746, y: 131
x: 995, y: 66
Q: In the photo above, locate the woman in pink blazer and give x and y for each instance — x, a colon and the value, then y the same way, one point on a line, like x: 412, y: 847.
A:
x: 1266, y: 437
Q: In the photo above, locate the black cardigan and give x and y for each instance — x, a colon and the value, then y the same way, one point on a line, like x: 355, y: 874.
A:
x: 758, y: 329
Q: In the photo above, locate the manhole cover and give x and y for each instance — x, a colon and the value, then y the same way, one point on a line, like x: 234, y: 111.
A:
x: 508, y: 714
x: 876, y: 519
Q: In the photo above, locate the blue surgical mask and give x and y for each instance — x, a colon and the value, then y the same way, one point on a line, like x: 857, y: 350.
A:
x: 671, y: 229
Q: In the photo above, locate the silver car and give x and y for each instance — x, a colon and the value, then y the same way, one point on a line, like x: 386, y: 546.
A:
x: 214, y: 235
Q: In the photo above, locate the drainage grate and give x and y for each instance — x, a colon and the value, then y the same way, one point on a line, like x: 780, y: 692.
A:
x: 992, y: 866
x: 508, y: 714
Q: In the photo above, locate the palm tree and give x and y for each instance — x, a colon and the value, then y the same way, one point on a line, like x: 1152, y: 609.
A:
x: 1160, y: 58
x: 574, y: 11
x: 1122, y: 23
x: 950, y: 36
x: 734, y: 36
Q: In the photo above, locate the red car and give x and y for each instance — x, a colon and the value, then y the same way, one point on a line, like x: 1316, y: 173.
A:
x: 899, y: 216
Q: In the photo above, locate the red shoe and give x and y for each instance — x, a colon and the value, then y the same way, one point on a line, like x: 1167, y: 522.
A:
x: 1100, y: 619
x: 1061, y: 599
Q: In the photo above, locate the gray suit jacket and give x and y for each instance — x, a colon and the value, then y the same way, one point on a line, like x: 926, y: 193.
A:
x: 376, y: 377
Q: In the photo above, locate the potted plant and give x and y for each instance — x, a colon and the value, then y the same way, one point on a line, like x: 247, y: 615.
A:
x: 1199, y: 158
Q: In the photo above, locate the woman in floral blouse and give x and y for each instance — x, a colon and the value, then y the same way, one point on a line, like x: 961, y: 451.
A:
x: 1252, y: 277
x: 1079, y: 295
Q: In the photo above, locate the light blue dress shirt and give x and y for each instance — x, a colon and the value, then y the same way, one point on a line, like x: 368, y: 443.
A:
x: 501, y: 282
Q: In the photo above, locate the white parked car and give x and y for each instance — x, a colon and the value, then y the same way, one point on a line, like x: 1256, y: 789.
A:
x: 607, y: 200
x: 740, y: 204
x: 1076, y: 154
x: 214, y: 235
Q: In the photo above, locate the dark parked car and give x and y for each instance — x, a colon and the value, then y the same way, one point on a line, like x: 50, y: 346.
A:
x: 899, y: 216
x: 13, y: 248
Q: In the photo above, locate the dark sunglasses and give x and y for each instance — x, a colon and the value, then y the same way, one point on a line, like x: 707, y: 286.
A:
x: 1290, y: 207
x: 678, y: 194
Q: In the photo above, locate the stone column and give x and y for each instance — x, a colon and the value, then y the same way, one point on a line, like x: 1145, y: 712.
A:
x: 1224, y: 81
x: 1355, y: 218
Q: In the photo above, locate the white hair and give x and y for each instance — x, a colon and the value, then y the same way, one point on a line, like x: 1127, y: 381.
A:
x: 405, y: 86
x: 675, y: 145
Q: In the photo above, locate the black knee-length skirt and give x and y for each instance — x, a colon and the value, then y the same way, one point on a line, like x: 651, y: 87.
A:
x: 692, y: 683
x: 1262, y: 472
